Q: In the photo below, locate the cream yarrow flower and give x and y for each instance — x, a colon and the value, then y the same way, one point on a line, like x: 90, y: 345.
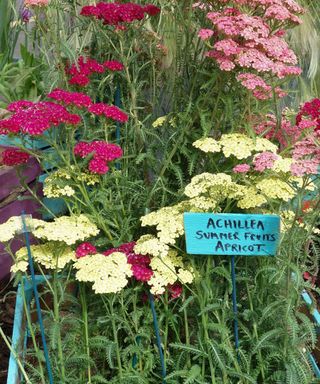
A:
x: 282, y: 165
x: 150, y: 245
x: 53, y: 191
x: 207, y: 144
x: 49, y: 255
x: 274, y: 188
x: 216, y: 186
x: 235, y: 144
x: 169, y: 223
x: 67, y: 229
x: 168, y: 270
x: 109, y: 274
x: 14, y: 226
x: 251, y: 198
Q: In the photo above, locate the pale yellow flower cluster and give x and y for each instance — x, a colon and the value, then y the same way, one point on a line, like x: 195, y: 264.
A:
x: 150, y: 245
x: 251, y: 198
x: 14, y: 226
x: 282, y: 165
x: 53, y: 191
x: 235, y: 144
x: 48, y: 255
x: 168, y: 270
x: 56, y: 184
x: 68, y: 229
x: 214, y: 186
x: 159, y: 122
x: 168, y: 221
x: 109, y: 274
x: 274, y: 188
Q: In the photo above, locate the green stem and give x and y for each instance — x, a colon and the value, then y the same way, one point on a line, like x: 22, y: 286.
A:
x: 85, y: 324
x: 115, y: 336
x: 57, y: 321
x: 186, y: 329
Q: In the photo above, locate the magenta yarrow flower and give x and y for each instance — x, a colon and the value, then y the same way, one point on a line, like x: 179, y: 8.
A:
x: 13, y: 156
x: 85, y: 249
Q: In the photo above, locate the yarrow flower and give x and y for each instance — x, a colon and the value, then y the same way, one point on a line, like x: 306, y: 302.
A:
x: 85, y: 249
x: 102, y: 153
x: 67, y: 229
x: 117, y: 13
x: 36, y: 3
x: 241, y: 168
x: 264, y: 160
x: 35, y: 118
x: 235, y: 144
x: 70, y: 98
x: 58, y: 183
x: 109, y: 111
x: 113, y: 65
x: 14, y: 156
x: 310, y: 109
x: 247, y: 42
x: 139, y: 263
x: 81, y: 71
x: 108, y: 274
x: 49, y: 255
x: 205, y: 34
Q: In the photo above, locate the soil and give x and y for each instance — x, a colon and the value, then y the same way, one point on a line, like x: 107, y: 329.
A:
x: 7, y: 305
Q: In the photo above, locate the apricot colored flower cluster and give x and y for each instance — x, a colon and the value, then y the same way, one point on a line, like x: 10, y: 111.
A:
x: 247, y: 42
x: 117, y: 13
x: 80, y: 73
x: 102, y: 153
x: 306, y: 155
x: 14, y: 156
x: 286, y: 135
x: 34, y: 118
x: 36, y: 3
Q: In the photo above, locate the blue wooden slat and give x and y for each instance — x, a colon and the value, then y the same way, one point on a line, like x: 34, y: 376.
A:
x: 18, y: 333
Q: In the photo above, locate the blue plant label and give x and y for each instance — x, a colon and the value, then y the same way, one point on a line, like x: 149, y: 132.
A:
x: 231, y: 234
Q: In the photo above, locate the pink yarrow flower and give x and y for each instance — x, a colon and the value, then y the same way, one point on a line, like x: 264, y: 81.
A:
x: 264, y: 160
x: 241, y: 168
x: 36, y: 3
x: 205, y: 34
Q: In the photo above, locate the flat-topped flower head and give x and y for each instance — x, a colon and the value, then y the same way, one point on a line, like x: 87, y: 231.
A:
x: 36, y: 3
x: 118, y: 13
x: 49, y: 255
x: 13, y: 156
x: 109, y: 274
x: 35, y: 118
x: 67, y: 229
x: 102, y: 153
